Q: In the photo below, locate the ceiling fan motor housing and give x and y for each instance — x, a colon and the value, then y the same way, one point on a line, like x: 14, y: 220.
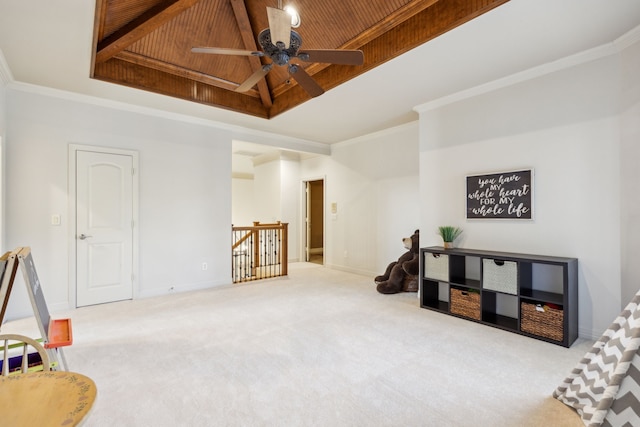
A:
x: 278, y: 54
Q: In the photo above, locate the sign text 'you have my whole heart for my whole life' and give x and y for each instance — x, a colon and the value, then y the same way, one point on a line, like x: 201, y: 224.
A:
x: 506, y: 195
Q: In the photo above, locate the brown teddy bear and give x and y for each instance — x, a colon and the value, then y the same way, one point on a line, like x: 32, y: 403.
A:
x: 400, y: 275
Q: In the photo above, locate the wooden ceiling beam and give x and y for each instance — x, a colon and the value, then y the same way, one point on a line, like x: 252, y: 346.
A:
x: 393, y: 20
x: 98, y: 29
x: 137, y: 76
x: 165, y: 67
x: 248, y: 38
x: 440, y: 17
x: 412, y: 25
x: 140, y: 27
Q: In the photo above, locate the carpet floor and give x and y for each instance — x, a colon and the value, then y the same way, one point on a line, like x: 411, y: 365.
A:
x: 317, y: 348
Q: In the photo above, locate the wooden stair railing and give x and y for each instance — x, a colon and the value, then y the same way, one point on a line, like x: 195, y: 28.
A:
x: 259, y: 251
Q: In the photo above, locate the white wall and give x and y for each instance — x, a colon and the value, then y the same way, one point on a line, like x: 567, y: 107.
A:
x: 242, y: 206
x: 266, y: 190
x: 242, y: 203
x: 277, y: 194
x: 2, y: 157
x: 185, y: 193
x: 630, y: 159
x: 374, y: 182
x: 2, y: 109
x: 565, y: 126
x: 290, y: 201
x: 5, y: 79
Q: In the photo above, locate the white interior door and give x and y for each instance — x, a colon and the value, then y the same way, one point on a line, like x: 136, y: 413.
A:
x: 104, y: 227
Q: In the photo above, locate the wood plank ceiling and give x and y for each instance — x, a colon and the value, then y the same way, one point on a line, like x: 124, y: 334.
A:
x: 146, y: 44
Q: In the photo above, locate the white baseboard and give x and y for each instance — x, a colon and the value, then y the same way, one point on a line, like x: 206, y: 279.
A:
x: 352, y: 270
x: 186, y: 287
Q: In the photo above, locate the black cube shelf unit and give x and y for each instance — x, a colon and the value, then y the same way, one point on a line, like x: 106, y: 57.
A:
x: 532, y: 295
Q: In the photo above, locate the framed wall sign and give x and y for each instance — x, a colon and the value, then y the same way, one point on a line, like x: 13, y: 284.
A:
x: 502, y: 195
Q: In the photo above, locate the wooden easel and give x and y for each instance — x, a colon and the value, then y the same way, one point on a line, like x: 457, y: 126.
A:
x: 8, y: 268
x: 56, y: 333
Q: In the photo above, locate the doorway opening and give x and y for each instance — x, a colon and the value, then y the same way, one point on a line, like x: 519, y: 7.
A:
x: 314, y: 220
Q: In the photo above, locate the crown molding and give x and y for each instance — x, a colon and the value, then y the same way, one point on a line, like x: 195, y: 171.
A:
x: 414, y: 124
x: 628, y: 39
x: 530, y: 74
x: 5, y: 72
x: 275, y: 155
x: 615, y: 47
x: 237, y: 132
x: 242, y: 175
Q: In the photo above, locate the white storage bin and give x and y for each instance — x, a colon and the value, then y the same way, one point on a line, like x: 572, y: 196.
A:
x: 501, y: 276
x: 436, y: 266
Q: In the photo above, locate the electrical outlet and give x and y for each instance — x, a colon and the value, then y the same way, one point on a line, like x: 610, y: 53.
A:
x: 204, y: 266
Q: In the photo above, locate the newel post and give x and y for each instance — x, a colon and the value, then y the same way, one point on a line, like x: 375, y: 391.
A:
x: 284, y: 248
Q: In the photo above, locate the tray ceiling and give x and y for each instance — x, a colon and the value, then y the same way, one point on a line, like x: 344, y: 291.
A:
x: 146, y: 44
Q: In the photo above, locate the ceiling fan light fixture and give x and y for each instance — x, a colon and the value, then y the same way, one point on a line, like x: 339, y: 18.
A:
x: 272, y: 41
x: 295, y: 16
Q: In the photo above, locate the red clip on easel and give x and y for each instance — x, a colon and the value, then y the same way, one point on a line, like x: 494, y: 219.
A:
x: 60, y: 334
x: 56, y: 333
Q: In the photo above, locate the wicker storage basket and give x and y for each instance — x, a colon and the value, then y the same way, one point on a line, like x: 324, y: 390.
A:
x: 501, y: 276
x: 541, y: 320
x: 465, y: 303
x: 436, y: 266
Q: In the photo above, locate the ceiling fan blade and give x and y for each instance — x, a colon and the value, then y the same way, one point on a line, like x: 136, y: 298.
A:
x: 224, y: 51
x: 305, y: 80
x: 279, y: 26
x: 254, y: 78
x: 343, y: 57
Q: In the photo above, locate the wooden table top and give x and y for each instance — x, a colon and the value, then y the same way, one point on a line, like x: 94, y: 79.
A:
x: 55, y: 398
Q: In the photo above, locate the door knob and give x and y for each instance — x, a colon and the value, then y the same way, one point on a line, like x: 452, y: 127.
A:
x: 83, y: 236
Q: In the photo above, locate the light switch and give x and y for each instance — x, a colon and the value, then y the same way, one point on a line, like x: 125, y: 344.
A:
x: 55, y: 219
x: 334, y: 207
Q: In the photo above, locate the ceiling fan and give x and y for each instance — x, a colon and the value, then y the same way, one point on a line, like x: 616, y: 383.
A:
x: 282, y: 45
